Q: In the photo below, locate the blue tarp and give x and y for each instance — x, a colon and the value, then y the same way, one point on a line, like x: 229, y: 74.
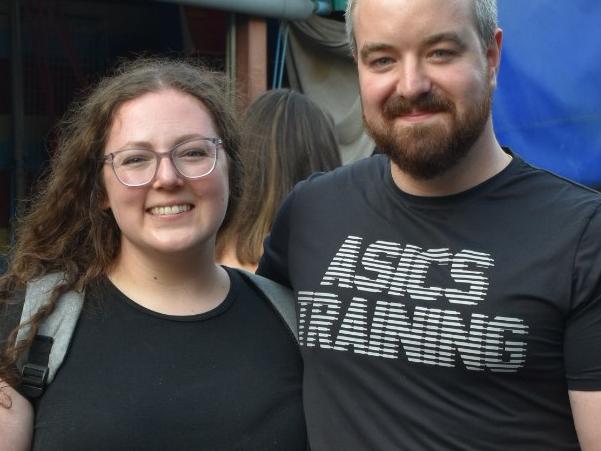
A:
x: 548, y: 102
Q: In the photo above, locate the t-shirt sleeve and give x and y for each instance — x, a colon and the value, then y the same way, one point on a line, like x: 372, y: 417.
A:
x: 274, y: 262
x: 582, y: 340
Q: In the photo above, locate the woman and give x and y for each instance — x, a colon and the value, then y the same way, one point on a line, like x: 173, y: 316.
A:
x: 171, y: 351
x: 285, y: 138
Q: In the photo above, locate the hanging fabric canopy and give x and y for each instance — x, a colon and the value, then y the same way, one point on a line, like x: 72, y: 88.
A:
x: 320, y: 65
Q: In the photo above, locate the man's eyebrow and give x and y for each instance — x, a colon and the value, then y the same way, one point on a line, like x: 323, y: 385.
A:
x: 451, y: 37
x: 373, y: 47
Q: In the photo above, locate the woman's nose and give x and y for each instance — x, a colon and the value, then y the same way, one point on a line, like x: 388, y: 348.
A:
x: 167, y: 175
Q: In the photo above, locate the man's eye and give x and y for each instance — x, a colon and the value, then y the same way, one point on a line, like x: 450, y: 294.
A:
x: 380, y: 62
x: 442, y: 54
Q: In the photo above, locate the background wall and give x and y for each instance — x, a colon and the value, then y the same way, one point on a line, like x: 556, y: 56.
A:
x: 66, y: 46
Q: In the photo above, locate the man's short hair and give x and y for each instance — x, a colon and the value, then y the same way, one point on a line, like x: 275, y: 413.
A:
x: 485, y: 14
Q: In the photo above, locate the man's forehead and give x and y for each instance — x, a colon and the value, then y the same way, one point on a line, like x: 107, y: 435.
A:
x: 373, y: 3
x: 457, y: 9
x: 426, y: 22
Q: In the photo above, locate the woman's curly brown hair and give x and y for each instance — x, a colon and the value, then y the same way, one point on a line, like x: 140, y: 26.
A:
x: 64, y: 228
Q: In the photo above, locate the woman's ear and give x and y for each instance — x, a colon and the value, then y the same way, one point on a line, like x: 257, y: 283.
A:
x: 104, y: 201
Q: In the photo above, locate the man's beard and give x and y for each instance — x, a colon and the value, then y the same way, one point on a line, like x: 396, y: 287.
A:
x: 425, y: 151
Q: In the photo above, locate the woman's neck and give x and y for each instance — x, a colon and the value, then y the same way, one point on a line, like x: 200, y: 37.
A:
x: 170, y: 284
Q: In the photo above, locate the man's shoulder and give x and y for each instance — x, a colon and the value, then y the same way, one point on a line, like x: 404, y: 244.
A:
x: 557, y: 188
x: 354, y: 174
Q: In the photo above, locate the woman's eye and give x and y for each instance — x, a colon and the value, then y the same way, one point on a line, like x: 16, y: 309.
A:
x: 193, y: 153
x: 135, y: 160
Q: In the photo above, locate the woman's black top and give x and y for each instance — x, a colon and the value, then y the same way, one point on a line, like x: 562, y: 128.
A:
x: 134, y: 379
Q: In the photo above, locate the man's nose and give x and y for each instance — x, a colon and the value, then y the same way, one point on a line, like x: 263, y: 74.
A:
x: 413, y: 80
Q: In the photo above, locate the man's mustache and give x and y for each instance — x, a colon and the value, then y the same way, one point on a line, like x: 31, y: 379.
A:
x: 428, y: 102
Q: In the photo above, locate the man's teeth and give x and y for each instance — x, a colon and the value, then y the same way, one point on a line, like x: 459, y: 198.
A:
x: 170, y: 210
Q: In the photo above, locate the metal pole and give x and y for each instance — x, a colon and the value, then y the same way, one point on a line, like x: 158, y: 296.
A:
x: 17, y: 97
x: 282, y: 9
x: 230, y: 55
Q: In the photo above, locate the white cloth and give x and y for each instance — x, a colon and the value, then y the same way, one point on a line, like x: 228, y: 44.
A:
x: 320, y: 65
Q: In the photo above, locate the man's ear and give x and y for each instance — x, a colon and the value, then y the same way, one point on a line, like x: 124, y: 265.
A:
x: 493, y: 56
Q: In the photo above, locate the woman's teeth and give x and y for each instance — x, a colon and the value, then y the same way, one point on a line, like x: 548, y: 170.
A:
x: 170, y: 210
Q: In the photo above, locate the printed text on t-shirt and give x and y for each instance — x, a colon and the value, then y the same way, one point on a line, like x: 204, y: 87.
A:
x: 375, y: 323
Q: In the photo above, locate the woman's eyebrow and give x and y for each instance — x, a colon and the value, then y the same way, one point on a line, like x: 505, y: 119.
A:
x: 148, y: 145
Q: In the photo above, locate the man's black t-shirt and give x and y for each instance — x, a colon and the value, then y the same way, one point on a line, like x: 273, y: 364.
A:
x: 442, y: 323
x: 133, y: 379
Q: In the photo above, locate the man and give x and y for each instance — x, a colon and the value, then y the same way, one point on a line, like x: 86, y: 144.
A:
x: 449, y: 294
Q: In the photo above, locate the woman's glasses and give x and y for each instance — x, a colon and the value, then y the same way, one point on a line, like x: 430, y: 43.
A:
x: 192, y: 159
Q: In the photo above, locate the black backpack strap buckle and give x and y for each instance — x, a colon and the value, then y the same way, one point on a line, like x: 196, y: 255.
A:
x: 34, y: 378
x: 35, y: 372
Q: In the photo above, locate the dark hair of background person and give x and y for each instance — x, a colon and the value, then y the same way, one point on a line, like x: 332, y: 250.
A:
x: 285, y: 137
x: 65, y: 228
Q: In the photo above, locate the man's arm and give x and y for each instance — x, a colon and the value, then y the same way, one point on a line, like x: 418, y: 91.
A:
x: 582, y: 337
x: 16, y: 420
x: 586, y: 409
x: 274, y: 262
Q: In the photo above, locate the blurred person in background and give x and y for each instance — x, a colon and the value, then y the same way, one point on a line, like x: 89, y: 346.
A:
x: 285, y: 138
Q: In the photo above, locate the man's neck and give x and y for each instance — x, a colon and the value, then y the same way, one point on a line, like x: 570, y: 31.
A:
x: 485, y: 160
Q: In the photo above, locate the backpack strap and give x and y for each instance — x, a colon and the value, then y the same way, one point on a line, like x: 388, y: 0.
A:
x: 50, y: 344
x: 281, y: 297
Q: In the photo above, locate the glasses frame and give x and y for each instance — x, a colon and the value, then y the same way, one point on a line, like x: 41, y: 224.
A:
x: 217, y: 142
